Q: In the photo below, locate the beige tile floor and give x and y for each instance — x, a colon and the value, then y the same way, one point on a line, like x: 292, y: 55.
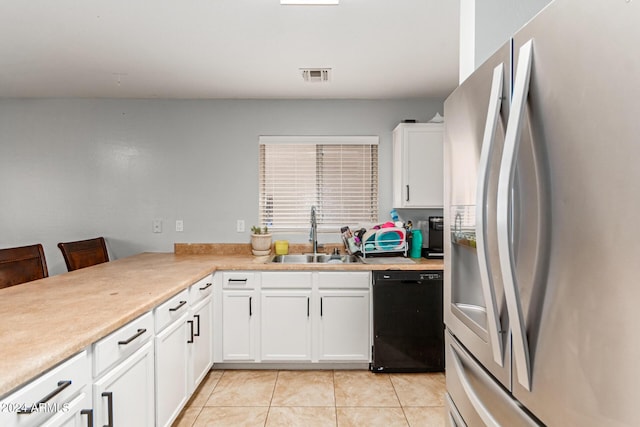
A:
x: 316, y: 398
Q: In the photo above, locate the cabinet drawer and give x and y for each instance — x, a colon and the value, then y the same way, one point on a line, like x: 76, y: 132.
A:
x: 297, y: 280
x: 238, y: 280
x: 344, y: 280
x: 51, y: 393
x: 121, y: 343
x: 171, y: 310
x: 201, y: 289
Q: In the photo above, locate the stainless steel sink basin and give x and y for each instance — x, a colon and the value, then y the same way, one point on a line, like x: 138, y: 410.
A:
x: 315, y: 258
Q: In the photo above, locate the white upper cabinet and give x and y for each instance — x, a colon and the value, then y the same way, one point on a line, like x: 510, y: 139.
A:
x: 418, y: 165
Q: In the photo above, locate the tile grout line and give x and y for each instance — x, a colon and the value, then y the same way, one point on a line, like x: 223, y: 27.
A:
x: 205, y: 401
x: 196, y: 417
x: 335, y: 401
x: 273, y: 392
x: 404, y: 414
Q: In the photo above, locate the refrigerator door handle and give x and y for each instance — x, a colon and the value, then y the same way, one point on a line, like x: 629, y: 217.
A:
x: 505, y: 185
x: 488, y: 290
x: 477, y: 404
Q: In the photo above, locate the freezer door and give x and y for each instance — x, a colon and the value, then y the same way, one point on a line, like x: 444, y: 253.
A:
x: 582, y: 121
x: 475, y: 397
x: 475, y: 312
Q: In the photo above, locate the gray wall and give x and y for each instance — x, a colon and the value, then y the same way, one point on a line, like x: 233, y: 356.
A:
x: 498, y: 20
x: 72, y: 169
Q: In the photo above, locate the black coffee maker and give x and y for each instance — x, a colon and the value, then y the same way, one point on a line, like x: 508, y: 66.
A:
x: 435, y: 245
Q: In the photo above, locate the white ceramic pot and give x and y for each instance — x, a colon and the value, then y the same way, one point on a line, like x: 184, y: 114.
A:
x: 261, y: 244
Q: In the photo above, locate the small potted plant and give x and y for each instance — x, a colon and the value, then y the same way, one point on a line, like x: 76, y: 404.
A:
x: 260, y: 240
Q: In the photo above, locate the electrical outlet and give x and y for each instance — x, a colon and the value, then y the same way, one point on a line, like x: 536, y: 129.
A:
x: 157, y: 226
x: 240, y: 226
x: 179, y: 225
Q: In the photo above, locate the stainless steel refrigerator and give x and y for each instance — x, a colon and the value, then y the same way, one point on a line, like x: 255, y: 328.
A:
x: 542, y: 225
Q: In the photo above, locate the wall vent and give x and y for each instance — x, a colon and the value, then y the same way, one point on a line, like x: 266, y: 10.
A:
x: 316, y: 74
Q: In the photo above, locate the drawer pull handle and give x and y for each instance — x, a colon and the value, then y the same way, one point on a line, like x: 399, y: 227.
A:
x: 237, y: 281
x: 89, y: 414
x: 205, y: 287
x: 197, y: 317
x: 320, y: 307
x: 190, y: 340
x: 307, y: 306
x: 178, y: 307
x: 61, y: 386
x: 109, y: 396
x: 250, y: 311
x: 132, y: 337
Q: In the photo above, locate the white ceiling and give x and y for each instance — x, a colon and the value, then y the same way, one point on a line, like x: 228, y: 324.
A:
x: 227, y: 48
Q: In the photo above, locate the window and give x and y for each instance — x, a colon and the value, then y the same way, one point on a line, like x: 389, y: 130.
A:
x: 338, y: 175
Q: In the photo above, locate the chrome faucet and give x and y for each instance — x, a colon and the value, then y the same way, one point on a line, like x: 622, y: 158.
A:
x: 313, y: 235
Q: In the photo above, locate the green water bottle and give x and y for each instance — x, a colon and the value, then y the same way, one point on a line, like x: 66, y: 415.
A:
x: 416, y: 244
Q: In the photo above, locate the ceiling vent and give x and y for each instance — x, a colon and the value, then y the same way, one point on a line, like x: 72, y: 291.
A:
x: 316, y: 74
x: 310, y: 2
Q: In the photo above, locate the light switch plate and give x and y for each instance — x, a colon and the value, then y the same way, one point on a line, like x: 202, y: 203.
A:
x: 240, y: 226
x: 179, y: 225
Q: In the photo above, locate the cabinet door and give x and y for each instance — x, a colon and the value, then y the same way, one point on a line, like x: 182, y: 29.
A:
x: 418, y: 166
x: 286, y: 325
x: 238, y: 324
x: 425, y: 171
x: 201, y: 349
x: 124, y: 396
x: 77, y: 413
x: 344, y: 332
x: 171, y: 371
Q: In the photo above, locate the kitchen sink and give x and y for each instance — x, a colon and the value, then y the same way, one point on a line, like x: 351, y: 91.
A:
x: 315, y: 258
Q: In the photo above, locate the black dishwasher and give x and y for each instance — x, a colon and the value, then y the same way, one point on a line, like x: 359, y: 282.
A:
x: 408, y: 330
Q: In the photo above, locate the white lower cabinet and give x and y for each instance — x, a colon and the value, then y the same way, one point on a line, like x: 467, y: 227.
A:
x: 238, y: 325
x: 293, y: 316
x: 200, y: 345
x: 60, y: 397
x: 240, y: 316
x: 172, y: 334
x: 78, y: 413
x: 131, y: 377
x: 286, y: 325
x: 124, y: 395
x: 344, y: 325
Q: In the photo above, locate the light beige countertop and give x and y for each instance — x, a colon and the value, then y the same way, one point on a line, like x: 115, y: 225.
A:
x: 46, y: 321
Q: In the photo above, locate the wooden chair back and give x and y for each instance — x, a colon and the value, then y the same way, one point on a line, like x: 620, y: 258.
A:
x: 23, y: 264
x: 84, y: 253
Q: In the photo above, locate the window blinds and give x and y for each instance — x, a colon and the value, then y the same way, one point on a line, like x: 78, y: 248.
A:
x: 338, y: 175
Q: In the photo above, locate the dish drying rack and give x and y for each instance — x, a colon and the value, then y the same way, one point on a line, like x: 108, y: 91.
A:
x: 376, y: 247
